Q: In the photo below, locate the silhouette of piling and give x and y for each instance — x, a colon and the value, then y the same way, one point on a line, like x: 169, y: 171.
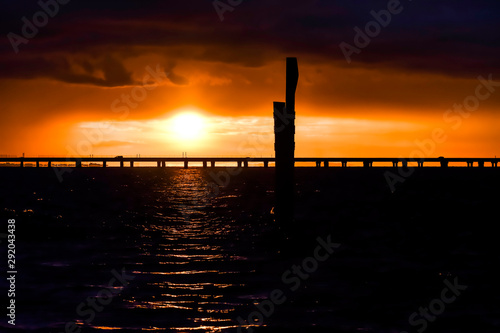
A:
x: 284, y: 147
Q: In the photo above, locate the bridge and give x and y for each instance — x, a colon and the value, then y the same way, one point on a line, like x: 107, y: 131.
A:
x: 265, y: 162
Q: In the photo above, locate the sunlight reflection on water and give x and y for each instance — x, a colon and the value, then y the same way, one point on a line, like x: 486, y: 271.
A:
x: 197, y: 266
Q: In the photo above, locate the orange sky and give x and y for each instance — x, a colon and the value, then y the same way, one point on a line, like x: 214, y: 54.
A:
x: 67, y: 100
x: 340, y: 112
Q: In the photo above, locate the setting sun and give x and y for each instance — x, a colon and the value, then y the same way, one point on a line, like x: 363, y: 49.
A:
x: 188, y: 126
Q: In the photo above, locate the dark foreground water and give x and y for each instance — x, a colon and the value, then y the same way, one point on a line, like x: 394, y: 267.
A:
x: 149, y: 249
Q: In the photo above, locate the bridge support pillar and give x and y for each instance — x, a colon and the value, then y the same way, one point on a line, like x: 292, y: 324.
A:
x: 266, y: 164
x: 344, y: 164
x: 103, y: 164
x: 163, y: 164
x: 212, y: 164
x: 420, y: 164
x: 204, y: 164
x: 470, y: 164
x: 131, y: 164
x: 185, y: 164
x: 318, y: 164
x: 444, y: 164
x: 121, y: 164
x: 367, y: 164
x: 239, y: 164
x: 326, y: 164
x: 245, y: 164
x: 480, y: 164
x: 404, y: 163
x: 494, y: 164
x: 49, y: 164
x: 78, y: 163
x: 158, y: 164
x: 394, y: 164
x: 37, y: 164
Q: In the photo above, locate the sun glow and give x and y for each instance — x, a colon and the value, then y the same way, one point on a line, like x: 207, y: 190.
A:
x: 188, y: 126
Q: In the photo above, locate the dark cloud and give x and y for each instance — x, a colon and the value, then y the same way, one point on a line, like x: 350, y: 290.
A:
x: 175, y: 78
x: 457, y: 38
x: 108, y: 72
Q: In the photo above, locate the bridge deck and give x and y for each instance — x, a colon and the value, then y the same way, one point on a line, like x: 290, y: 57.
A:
x: 211, y: 161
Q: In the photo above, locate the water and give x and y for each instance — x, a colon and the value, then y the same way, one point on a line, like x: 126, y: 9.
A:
x: 196, y: 256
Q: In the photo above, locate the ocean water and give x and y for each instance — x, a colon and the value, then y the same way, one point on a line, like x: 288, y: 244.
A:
x: 198, y: 250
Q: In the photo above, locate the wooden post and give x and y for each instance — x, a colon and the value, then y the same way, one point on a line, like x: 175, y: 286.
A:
x: 284, y: 147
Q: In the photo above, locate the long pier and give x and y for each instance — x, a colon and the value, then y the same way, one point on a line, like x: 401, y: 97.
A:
x: 206, y: 162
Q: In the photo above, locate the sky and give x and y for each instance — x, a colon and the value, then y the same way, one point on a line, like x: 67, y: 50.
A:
x: 407, y: 78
